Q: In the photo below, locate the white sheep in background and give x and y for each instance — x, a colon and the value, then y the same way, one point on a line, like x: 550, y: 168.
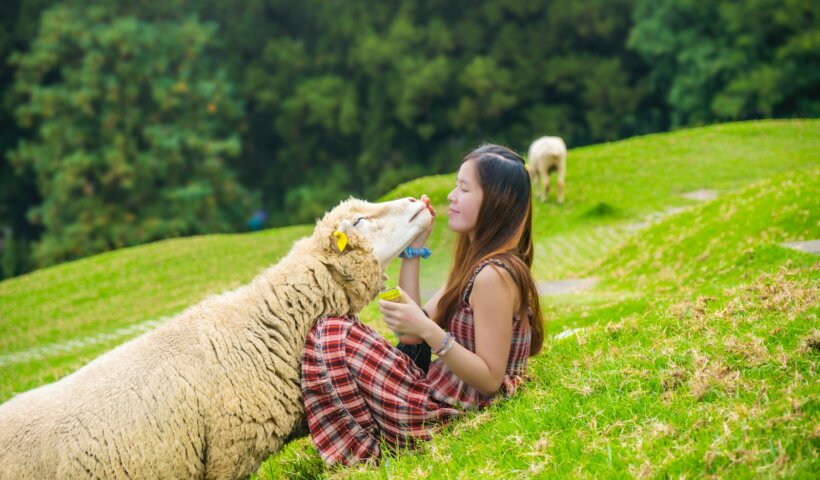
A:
x: 546, y: 155
x: 215, y: 390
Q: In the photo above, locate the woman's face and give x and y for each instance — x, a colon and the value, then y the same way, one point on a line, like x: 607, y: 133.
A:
x: 465, y: 200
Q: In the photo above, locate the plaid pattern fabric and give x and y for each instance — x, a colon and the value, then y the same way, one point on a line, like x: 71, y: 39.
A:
x: 451, y: 390
x: 359, y: 391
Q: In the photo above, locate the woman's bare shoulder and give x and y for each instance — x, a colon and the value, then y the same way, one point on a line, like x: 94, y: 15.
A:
x: 494, y: 283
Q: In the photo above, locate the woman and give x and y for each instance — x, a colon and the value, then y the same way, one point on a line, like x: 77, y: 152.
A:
x: 360, y: 392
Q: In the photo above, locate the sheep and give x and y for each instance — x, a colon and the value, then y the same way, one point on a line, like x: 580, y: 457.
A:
x: 215, y: 390
x: 546, y: 155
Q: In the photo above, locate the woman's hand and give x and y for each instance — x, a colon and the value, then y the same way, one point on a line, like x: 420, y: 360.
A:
x: 423, y: 236
x: 406, y: 318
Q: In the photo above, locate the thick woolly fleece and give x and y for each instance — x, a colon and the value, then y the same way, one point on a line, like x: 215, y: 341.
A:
x: 548, y: 154
x: 210, y: 394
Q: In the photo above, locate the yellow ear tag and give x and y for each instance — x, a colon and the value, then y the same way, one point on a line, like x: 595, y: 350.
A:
x: 341, y: 240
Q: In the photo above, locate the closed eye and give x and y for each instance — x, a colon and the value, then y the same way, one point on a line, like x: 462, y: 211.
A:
x: 358, y: 220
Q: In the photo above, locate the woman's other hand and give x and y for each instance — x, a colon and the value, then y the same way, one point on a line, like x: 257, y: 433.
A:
x: 424, y: 235
x: 406, y: 318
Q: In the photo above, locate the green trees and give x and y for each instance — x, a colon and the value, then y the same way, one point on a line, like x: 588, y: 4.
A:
x: 19, y: 21
x: 124, y: 122
x: 730, y: 60
x: 133, y: 132
x: 367, y: 94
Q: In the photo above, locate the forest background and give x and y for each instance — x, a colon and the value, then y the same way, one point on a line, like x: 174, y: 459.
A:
x: 128, y: 122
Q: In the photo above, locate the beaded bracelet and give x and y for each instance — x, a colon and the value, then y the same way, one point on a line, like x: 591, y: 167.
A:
x: 446, y: 345
x: 411, y: 252
x: 443, y: 343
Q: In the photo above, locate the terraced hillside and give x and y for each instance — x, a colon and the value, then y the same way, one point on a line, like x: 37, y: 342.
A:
x: 699, y: 346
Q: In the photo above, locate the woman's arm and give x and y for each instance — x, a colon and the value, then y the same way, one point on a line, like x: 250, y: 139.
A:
x: 409, y: 285
x: 431, y: 307
x: 493, y: 299
x: 409, y: 278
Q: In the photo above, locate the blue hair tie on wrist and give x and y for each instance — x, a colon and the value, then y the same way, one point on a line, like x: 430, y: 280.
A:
x: 411, y: 252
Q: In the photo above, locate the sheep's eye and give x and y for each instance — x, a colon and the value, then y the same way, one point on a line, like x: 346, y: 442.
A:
x: 357, y: 221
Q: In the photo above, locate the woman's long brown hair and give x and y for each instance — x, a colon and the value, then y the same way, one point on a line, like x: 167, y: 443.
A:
x: 503, y: 231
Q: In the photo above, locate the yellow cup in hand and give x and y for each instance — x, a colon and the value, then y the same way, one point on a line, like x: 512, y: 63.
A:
x: 393, y: 295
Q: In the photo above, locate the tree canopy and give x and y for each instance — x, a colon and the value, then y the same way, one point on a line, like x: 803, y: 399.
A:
x: 130, y: 122
x: 133, y: 132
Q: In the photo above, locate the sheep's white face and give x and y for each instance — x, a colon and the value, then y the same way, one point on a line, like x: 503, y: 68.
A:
x: 388, y: 227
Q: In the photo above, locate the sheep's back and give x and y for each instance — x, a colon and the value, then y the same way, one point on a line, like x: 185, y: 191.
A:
x: 88, y: 423
x: 211, y: 393
x: 546, y: 148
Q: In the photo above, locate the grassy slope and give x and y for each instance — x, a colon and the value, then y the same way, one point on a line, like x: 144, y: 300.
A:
x: 107, y: 292
x: 709, y: 370
x: 610, y: 187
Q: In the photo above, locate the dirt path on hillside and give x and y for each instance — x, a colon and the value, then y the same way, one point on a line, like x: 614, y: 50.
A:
x: 809, y: 246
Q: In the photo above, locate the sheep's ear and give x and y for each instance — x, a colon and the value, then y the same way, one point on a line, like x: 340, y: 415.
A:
x: 340, y: 236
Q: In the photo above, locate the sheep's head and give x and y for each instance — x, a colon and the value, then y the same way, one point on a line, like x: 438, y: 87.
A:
x: 359, y: 239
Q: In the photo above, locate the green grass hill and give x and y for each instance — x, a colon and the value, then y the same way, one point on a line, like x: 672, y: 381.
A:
x: 694, y: 355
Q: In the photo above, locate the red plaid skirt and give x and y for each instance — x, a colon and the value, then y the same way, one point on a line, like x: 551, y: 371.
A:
x: 361, y: 393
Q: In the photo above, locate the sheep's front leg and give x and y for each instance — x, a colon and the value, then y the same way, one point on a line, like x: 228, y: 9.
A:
x: 560, y: 185
x: 546, y: 186
x: 544, y: 180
